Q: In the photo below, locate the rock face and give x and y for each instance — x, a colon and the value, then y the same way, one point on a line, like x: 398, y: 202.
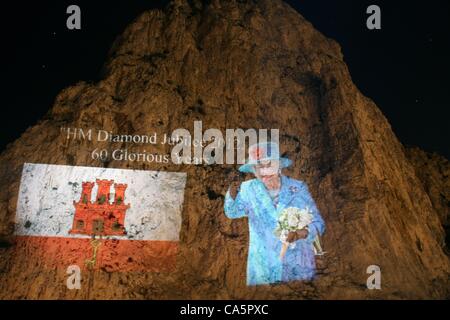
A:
x: 434, y: 171
x: 241, y: 64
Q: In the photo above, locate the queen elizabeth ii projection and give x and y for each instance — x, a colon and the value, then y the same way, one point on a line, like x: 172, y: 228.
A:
x: 284, y: 221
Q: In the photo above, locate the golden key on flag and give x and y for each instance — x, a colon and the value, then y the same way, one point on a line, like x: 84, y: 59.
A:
x: 90, y: 264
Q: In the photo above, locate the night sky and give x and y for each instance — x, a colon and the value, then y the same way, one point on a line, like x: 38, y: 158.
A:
x: 404, y: 67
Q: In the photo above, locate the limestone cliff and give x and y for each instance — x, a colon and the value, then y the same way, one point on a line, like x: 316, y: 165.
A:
x: 241, y: 64
x: 433, y: 171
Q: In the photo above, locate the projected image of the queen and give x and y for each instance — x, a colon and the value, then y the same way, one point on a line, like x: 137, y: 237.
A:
x: 284, y: 222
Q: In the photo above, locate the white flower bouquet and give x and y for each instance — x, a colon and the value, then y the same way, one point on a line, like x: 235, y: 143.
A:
x: 293, y: 219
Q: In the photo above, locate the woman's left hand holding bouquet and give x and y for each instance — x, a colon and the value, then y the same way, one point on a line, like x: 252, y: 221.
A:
x: 297, y: 235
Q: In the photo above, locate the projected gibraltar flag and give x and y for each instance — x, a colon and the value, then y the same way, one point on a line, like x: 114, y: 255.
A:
x: 113, y: 219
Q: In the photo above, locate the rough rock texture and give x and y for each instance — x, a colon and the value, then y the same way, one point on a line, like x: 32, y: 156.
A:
x: 241, y: 64
x: 434, y: 172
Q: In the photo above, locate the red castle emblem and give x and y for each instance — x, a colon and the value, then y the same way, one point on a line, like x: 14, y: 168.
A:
x: 100, y: 217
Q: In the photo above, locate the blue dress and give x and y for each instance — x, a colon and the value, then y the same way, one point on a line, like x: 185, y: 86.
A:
x: 264, y: 265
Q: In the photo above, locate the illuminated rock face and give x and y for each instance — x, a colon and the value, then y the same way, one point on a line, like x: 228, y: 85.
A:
x: 240, y: 64
x: 433, y: 170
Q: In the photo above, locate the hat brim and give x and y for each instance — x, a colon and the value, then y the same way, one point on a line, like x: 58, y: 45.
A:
x: 248, y: 167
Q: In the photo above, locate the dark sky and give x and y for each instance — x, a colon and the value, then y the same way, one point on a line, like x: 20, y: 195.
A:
x: 404, y: 67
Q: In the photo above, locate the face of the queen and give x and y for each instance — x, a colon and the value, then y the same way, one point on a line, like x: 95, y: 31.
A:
x: 268, y: 172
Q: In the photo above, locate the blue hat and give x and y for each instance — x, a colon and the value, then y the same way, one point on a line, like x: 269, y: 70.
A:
x: 260, y: 152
